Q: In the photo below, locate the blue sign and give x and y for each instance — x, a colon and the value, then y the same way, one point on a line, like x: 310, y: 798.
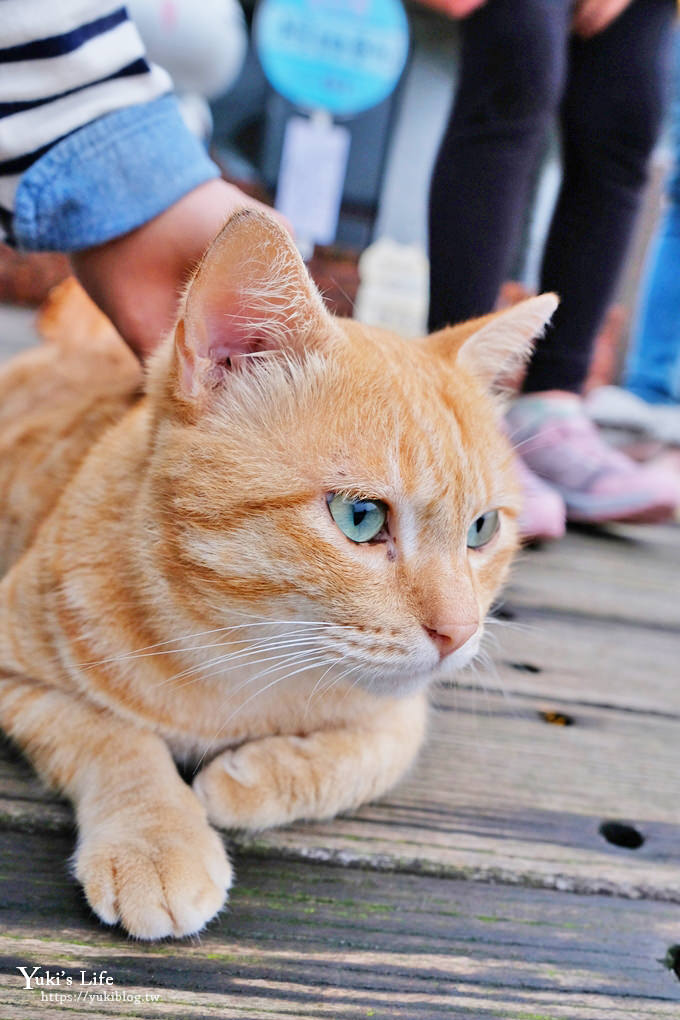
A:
x: 342, y: 56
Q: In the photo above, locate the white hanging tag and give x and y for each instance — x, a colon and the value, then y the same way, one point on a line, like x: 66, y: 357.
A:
x: 312, y: 177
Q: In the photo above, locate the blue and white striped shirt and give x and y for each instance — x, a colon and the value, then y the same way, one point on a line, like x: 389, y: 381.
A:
x: 64, y: 65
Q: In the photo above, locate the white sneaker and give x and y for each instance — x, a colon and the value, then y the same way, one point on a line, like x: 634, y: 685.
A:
x: 616, y: 408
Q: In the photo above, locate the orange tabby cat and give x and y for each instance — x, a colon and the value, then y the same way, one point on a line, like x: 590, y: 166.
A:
x: 256, y: 564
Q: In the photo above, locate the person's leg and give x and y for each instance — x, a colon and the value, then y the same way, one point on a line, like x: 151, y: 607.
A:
x: 513, y: 60
x: 610, y: 117
x: 653, y: 365
x: 652, y: 371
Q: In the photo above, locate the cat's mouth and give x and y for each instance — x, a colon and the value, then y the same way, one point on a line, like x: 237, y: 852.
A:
x: 414, y: 672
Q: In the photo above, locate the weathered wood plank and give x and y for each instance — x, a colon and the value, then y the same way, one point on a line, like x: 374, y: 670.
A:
x: 498, y: 795
x: 566, y: 658
x: 310, y: 941
x: 618, y: 573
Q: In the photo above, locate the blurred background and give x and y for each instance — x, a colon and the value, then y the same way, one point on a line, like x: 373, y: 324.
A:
x: 210, y: 52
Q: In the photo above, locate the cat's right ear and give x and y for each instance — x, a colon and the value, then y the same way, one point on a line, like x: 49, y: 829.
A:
x: 251, y: 293
x: 497, y: 346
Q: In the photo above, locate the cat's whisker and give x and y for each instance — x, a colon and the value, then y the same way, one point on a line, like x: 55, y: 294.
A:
x: 348, y: 672
x: 290, y: 659
x: 546, y: 436
x: 527, y: 628
x: 484, y: 669
x: 320, y: 691
x: 291, y: 656
x: 337, y: 679
x: 269, y: 644
x: 148, y: 649
x: 254, y: 646
x: 217, y: 668
x: 493, y: 639
x: 510, y: 435
x: 485, y: 666
x: 316, y: 687
x: 322, y: 677
x: 277, y: 680
x: 136, y: 653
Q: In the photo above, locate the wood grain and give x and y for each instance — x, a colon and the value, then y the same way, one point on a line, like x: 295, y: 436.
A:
x: 498, y: 795
x: 617, y: 573
x: 317, y: 941
x: 570, y: 659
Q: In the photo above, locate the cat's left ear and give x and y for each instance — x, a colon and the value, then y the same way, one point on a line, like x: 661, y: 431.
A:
x: 496, y: 347
x: 251, y: 293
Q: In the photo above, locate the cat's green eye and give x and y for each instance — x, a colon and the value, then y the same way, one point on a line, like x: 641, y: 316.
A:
x: 483, y: 529
x: 359, y: 519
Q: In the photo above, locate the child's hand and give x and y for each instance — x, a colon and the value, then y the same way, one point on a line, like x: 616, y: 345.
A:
x: 592, y: 16
x: 137, y: 279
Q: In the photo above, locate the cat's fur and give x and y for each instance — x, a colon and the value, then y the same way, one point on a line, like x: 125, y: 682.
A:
x: 174, y: 584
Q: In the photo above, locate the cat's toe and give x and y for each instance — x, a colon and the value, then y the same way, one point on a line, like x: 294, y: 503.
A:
x: 229, y: 791
x: 156, y: 887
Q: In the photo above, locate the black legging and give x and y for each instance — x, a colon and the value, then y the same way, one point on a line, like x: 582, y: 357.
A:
x: 521, y: 66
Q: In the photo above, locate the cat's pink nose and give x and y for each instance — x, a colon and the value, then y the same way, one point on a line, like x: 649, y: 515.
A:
x: 450, y: 638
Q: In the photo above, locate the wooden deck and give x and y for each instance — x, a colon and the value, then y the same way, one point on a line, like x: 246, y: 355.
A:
x: 482, y: 887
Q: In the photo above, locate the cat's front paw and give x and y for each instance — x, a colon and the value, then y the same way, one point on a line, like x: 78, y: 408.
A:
x: 237, y: 790
x: 262, y: 783
x: 166, y: 877
x: 229, y: 792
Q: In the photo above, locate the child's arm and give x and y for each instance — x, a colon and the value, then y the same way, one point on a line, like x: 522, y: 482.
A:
x: 91, y: 140
x: 95, y: 159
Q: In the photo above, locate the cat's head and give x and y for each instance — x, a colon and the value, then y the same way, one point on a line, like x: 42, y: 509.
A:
x: 314, y: 470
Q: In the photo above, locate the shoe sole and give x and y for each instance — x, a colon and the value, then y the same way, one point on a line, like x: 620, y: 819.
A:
x: 657, y: 514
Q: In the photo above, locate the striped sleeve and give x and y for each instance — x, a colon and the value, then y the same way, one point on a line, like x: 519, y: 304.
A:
x: 64, y: 64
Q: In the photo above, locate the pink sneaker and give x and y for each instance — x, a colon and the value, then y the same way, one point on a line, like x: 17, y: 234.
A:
x: 559, y: 443
x: 544, y: 514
